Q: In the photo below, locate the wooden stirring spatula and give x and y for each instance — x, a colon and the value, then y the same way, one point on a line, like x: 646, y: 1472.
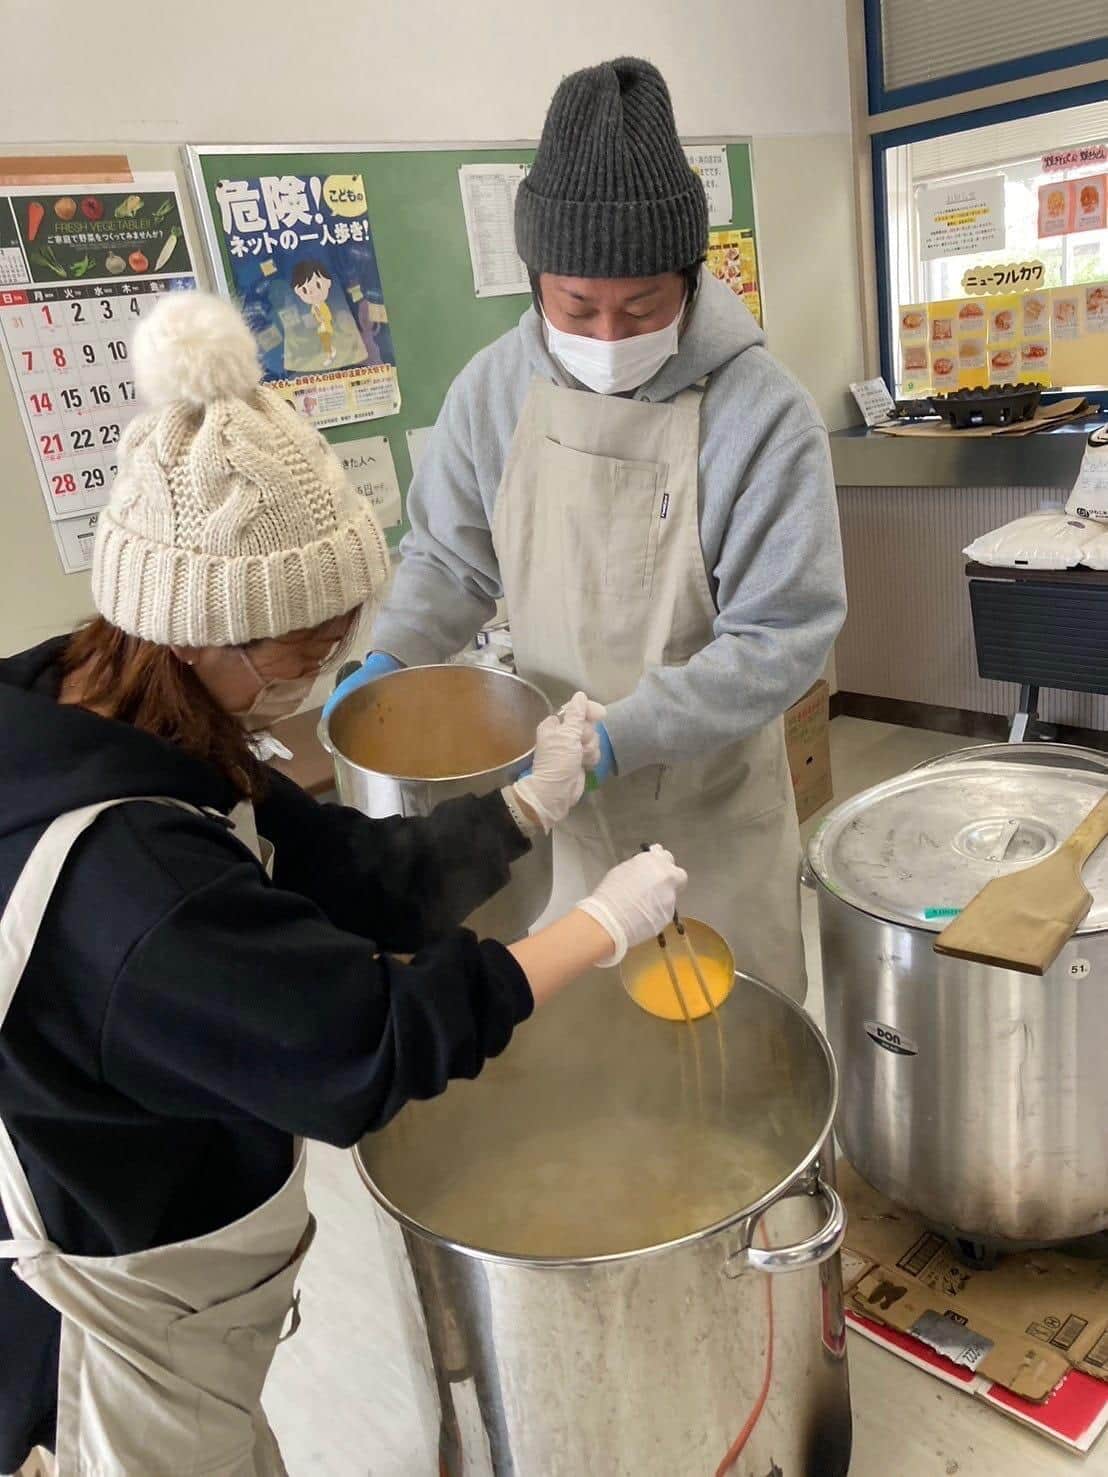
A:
x: 1024, y: 921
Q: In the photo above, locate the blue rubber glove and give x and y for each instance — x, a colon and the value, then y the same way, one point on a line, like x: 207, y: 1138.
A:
x: 377, y: 664
x: 607, y: 766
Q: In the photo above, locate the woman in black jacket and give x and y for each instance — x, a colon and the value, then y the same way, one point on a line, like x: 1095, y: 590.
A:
x: 196, y: 962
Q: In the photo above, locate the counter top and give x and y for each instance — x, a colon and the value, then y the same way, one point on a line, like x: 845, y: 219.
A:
x: 865, y: 458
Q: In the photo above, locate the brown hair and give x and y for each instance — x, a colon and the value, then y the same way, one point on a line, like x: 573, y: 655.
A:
x: 146, y: 685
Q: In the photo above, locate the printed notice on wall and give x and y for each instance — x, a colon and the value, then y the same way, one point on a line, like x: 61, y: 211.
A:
x: 955, y: 220
x: 74, y: 538
x: 369, y: 465
x: 733, y: 258
x: 489, y: 202
x: 79, y: 270
x: 709, y: 161
x: 418, y: 437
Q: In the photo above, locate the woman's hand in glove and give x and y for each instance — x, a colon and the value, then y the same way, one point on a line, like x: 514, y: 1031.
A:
x: 637, y: 899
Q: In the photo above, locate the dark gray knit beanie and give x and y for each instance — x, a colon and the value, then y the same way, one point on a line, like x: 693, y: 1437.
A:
x: 611, y: 193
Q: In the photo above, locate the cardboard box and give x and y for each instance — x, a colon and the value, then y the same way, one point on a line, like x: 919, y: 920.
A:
x: 808, y: 741
x: 1025, y: 1323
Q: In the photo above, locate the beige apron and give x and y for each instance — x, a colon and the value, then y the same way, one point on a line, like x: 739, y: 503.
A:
x: 163, y: 1352
x: 597, y: 537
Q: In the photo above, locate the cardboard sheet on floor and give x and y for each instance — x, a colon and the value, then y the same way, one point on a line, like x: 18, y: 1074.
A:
x: 1029, y: 1337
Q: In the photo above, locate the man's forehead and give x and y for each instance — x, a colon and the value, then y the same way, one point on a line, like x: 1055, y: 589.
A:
x: 609, y: 291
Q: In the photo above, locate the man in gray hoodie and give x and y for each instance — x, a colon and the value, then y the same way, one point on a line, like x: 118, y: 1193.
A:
x: 652, y: 495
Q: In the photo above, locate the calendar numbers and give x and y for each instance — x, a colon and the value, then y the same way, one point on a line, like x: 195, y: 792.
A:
x: 67, y: 338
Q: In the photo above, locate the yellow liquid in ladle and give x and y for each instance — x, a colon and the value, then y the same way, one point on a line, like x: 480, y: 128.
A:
x: 652, y: 986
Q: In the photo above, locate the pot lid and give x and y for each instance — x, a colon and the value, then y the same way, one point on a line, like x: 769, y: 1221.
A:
x: 916, y: 849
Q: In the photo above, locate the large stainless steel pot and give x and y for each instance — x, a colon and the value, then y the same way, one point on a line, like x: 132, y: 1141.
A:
x: 974, y: 1096
x: 676, y: 1316
x: 414, y: 738
x: 1054, y: 756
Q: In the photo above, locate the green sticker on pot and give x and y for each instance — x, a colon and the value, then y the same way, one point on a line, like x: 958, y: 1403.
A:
x: 932, y: 915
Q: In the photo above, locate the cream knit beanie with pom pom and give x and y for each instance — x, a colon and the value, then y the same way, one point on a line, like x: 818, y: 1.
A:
x: 231, y: 518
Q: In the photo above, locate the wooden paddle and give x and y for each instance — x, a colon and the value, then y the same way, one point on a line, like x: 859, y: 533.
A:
x: 1023, y: 921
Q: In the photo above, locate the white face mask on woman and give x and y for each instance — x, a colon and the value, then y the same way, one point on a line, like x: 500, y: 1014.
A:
x: 276, y: 698
x: 614, y: 366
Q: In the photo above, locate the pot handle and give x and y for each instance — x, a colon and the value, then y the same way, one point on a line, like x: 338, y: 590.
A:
x: 818, y: 1248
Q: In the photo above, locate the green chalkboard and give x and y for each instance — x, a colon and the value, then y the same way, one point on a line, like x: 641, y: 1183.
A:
x: 414, y: 204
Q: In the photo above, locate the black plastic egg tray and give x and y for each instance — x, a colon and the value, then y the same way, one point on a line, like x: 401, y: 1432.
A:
x: 999, y: 405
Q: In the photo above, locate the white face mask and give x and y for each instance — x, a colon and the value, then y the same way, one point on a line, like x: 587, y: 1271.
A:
x: 613, y: 366
x: 275, y: 699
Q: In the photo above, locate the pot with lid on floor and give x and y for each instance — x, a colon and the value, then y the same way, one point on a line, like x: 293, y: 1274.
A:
x: 975, y: 1096
x: 617, y: 1250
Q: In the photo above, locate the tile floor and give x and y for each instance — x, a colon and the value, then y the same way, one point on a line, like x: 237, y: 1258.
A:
x: 341, y: 1397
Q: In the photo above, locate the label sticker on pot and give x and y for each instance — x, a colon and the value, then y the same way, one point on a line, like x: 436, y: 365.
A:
x: 1080, y: 969
x: 890, y: 1040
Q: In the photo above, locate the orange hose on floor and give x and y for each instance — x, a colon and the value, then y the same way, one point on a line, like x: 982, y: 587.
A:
x: 739, y: 1444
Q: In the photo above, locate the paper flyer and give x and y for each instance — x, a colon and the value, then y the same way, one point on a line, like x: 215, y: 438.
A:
x: 709, y: 161
x: 79, y: 270
x: 489, y: 201
x: 955, y: 220
x: 297, y: 253
x: 1096, y: 308
x: 733, y: 258
x: 368, y: 463
x: 418, y: 438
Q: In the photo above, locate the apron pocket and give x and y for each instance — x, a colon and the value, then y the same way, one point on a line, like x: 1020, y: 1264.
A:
x: 605, y: 517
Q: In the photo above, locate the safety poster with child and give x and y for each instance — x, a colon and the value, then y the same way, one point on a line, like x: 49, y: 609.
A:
x: 296, y: 251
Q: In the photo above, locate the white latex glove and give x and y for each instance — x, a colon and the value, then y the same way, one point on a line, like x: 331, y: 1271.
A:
x: 636, y: 899
x: 594, y: 713
x: 557, y: 777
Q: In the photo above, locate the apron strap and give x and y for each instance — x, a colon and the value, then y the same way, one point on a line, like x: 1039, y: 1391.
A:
x: 19, y: 926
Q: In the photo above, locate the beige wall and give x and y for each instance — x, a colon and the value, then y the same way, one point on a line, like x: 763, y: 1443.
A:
x: 413, y: 71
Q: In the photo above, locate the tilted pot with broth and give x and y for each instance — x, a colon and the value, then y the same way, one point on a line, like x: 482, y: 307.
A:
x: 409, y: 740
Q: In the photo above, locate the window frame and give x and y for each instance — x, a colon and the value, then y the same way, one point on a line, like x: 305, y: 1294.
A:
x: 886, y: 100
x: 880, y: 143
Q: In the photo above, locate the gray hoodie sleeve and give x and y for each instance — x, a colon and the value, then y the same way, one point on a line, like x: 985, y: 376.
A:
x: 780, y: 593
x: 448, y: 582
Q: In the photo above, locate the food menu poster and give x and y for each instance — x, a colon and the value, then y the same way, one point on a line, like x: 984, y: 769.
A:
x: 1029, y: 338
x: 296, y: 252
x: 733, y: 258
x: 79, y: 269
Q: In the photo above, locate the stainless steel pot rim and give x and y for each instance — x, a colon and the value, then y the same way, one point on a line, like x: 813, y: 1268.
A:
x: 323, y: 731
x: 820, y: 858
x: 1031, y: 752
x: 744, y: 1220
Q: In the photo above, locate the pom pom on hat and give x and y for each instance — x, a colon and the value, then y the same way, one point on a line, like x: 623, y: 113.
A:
x: 194, y: 348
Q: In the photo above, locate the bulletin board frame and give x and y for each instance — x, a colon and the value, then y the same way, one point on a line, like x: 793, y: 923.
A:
x: 414, y: 204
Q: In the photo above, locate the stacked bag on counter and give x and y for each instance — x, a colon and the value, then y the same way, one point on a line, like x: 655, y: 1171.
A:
x: 1057, y: 536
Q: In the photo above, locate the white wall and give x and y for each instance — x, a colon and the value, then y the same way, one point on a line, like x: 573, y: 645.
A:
x: 243, y: 71
x: 419, y: 70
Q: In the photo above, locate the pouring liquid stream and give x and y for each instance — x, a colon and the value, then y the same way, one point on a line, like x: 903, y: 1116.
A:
x: 679, y: 988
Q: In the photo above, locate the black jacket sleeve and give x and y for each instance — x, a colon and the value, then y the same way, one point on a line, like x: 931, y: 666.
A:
x: 402, y: 882
x: 246, y: 1000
